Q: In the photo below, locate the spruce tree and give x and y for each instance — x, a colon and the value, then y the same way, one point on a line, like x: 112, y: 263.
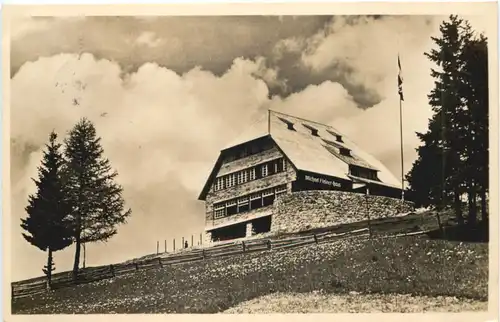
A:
x: 448, y: 107
x: 98, y: 206
x: 475, y: 94
x: 457, y: 137
x: 46, y: 225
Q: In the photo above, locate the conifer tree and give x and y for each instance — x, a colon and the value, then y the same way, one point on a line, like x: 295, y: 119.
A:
x: 457, y: 137
x: 475, y: 95
x: 97, y: 203
x: 46, y: 225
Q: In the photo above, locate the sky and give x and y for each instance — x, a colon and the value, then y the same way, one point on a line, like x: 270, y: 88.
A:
x: 166, y: 94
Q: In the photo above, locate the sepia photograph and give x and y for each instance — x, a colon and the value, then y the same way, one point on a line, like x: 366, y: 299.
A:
x: 251, y: 163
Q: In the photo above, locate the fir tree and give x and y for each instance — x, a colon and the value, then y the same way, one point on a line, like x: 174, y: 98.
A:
x: 456, y: 141
x: 98, y: 206
x: 48, y: 209
x: 475, y: 94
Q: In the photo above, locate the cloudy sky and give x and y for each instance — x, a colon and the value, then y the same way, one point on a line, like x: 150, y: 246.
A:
x: 167, y: 93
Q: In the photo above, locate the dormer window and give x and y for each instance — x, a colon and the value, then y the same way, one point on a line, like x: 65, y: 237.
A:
x: 345, y: 152
x: 288, y: 124
x: 337, y: 136
x: 314, y: 131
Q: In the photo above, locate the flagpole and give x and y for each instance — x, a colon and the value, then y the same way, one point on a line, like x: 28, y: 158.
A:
x: 400, y: 92
x: 402, y: 160
x: 269, y: 121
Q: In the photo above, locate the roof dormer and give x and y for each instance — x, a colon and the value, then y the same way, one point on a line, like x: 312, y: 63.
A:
x: 313, y: 130
x: 288, y: 123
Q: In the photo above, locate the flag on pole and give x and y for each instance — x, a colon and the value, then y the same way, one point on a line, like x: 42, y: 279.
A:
x: 400, y: 80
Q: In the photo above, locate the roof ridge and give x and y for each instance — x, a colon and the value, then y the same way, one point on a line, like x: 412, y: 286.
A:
x: 300, y: 118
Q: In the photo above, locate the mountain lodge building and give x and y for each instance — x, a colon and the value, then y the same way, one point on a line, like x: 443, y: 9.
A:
x: 291, y: 154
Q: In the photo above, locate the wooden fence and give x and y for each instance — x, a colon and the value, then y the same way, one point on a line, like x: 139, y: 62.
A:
x: 92, y: 274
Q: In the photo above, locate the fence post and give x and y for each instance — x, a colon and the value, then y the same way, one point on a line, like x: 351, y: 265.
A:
x: 244, y: 246
x: 203, y: 253
x: 315, y: 238
x: 159, y: 262
x: 174, y: 244
x: 368, y: 212
x: 192, y: 240
x: 136, y: 265
x: 268, y: 244
x: 439, y: 222
x: 112, y: 270
x: 165, y: 245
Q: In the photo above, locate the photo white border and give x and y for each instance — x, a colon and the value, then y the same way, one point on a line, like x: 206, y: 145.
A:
x: 486, y: 9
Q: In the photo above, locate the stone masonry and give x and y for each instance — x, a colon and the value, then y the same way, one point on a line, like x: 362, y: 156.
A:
x: 305, y: 210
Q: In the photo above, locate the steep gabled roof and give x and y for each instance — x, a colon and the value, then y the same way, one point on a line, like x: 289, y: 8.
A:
x: 309, y: 146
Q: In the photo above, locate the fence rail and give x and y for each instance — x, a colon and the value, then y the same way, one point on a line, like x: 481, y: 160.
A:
x: 38, y: 285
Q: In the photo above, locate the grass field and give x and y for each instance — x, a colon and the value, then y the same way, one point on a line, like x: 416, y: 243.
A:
x: 318, y: 302
x: 416, y: 266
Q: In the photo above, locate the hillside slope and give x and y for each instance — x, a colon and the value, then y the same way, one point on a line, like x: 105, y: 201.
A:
x: 405, y: 265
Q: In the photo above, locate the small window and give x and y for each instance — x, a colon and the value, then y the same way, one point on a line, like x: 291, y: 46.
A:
x: 252, y: 174
x: 280, y: 189
x: 345, y: 152
x: 264, y: 170
x: 244, y: 176
x: 219, y: 213
x: 337, y: 136
x: 288, y: 123
x: 230, y: 180
x: 313, y: 130
x: 243, y: 200
x: 255, y: 196
x: 219, y: 184
x: 268, y: 192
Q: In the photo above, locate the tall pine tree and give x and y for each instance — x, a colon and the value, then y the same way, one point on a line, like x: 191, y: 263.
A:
x: 456, y: 140
x: 98, y: 206
x: 475, y: 95
x: 48, y: 209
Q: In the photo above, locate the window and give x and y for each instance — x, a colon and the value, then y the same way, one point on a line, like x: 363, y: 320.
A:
x: 255, y: 196
x: 219, y: 213
x: 313, y: 130
x: 219, y: 210
x: 268, y: 192
x: 252, y: 174
x: 364, y: 173
x: 337, y: 136
x: 230, y: 180
x: 345, y: 152
x: 243, y: 200
x: 264, y: 170
x: 280, y: 190
x: 240, y: 177
x: 219, y: 184
x: 284, y: 164
x: 244, y: 176
x: 288, y: 123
